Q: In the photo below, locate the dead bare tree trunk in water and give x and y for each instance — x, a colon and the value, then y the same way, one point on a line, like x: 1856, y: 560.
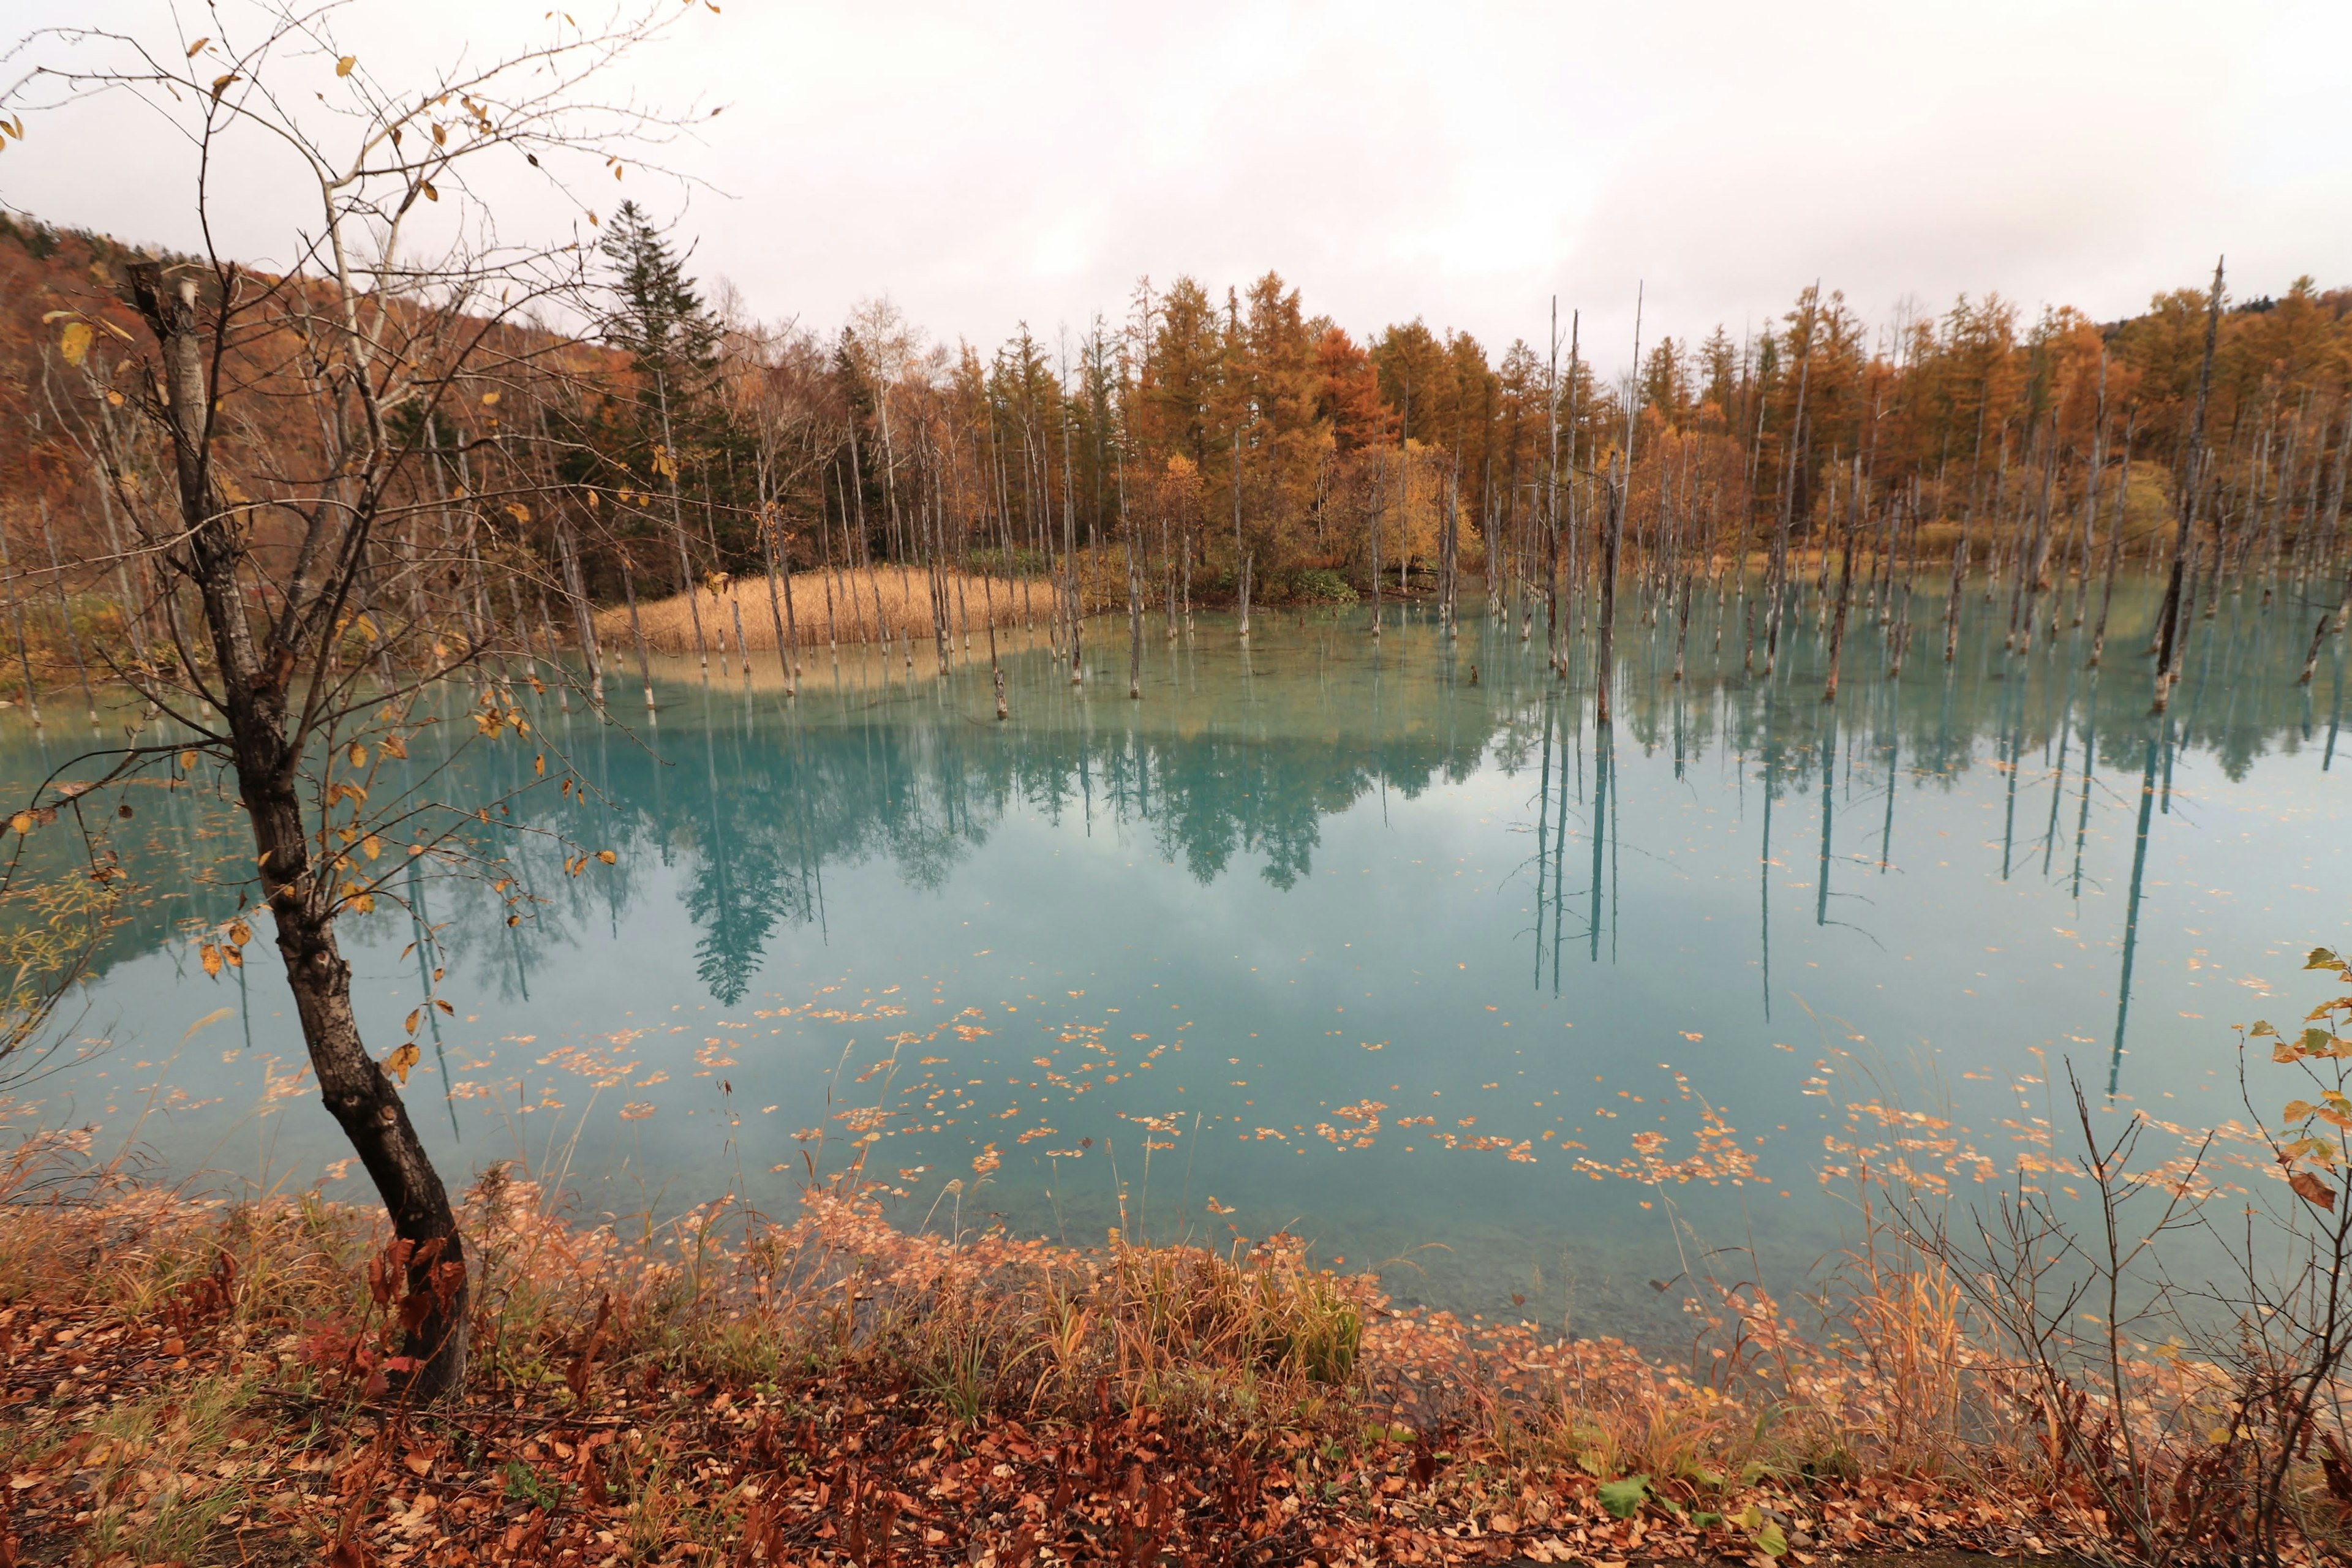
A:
x: 667, y: 462
x: 1776, y: 574
x: 2191, y: 481
x: 2037, y: 545
x: 1845, y: 584
x: 1070, y: 557
x: 1604, y: 660
x: 1551, y: 492
x: 784, y: 647
x: 2328, y: 546
x: 1450, y: 565
x: 1967, y: 518
x: 1613, y: 526
x: 1134, y: 594
x: 1240, y: 555
x: 576, y: 590
x: 2091, y: 494
x: 2115, y: 544
x: 1566, y: 524
x: 636, y: 628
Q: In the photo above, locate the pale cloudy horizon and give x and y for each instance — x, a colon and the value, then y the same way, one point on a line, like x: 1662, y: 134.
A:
x: 1461, y: 165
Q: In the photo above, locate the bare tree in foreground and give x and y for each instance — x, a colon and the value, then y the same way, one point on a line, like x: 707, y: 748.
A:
x: 313, y: 464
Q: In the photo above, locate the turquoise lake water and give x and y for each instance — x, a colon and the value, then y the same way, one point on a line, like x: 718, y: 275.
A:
x: 1381, y: 942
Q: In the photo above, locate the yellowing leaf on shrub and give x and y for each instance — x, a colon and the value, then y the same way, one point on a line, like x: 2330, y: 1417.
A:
x: 404, y: 1056
x: 74, y: 344
x: 358, y: 755
x: 211, y: 957
x: 606, y: 856
x: 343, y: 67
x: 2312, y: 1190
x: 371, y: 846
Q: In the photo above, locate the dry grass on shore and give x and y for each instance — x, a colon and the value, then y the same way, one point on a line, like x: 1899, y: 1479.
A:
x: 197, y: 1383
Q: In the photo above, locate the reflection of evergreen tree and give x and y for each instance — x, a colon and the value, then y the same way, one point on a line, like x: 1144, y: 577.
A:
x: 736, y: 895
x: 753, y: 807
x: 741, y: 826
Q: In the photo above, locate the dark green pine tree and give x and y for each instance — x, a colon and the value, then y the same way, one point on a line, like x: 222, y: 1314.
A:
x: 677, y: 429
x: 658, y: 316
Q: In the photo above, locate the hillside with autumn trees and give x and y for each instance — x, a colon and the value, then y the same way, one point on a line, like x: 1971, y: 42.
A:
x: 659, y: 438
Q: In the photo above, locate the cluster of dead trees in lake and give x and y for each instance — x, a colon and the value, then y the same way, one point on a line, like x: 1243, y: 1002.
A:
x: 870, y: 486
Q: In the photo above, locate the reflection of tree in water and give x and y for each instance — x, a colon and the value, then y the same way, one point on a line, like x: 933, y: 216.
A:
x: 736, y: 892
x: 753, y: 801
x: 756, y: 812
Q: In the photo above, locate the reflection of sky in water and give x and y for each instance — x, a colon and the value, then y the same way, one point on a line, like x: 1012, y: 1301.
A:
x: 1346, y: 940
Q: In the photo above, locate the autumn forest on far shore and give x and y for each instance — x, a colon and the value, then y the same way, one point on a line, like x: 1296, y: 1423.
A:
x: 1206, y: 439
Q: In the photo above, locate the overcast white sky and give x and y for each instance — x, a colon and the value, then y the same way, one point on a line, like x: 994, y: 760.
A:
x: 984, y: 163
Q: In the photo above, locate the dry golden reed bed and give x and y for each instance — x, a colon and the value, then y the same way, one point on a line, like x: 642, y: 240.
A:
x: 904, y: 599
